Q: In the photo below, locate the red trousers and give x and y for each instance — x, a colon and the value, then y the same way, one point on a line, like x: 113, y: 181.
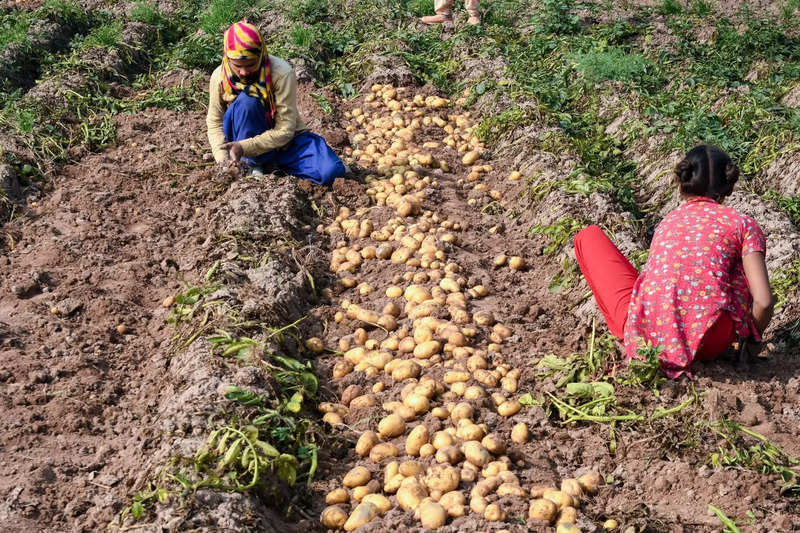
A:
x: 611, y: 277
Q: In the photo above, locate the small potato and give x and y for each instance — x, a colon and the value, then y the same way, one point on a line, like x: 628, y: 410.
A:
x: 410, y: 495
x: 573, y: 488
x: 370, y: 488
x: 418, y: 437
x: 427, y: 349
x: 443, y: 478
x: 364, y: 513
x: 610, y: 524
x: 500, y: 260
x: 461, y: 411
x: 494, y: 444
x: 356, y: 477
x: 419, y: 403
x: 470, y: 157
x: 567, y: 515
x: 520, y: 433
x: 333, y: 419
x: 478, y: 504
x: 342, y: 368
x: 427, y: 450
x: 315, y: 345
x: 378, y: 500
x: 432, y: 515
x: 511, y: 489
x: 449, y: 455
x: 411, y: 468
x: 542, y: 509
x: 567, y: 527
x: 452, y: 499
x: 366, y: 442
x: 391, y: 426
x: 494, y: 513
x: 516, y: 263
x: 561, y: 499
x: 441, y: 413
x: 383, y: 451
x: 475, y: 453
x: 590, y: 482
x: 333, y: 517
x: 337, y: 496
x: 509, y: 408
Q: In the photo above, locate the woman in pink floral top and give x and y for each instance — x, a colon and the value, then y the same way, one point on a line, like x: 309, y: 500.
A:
x: 705, y: 282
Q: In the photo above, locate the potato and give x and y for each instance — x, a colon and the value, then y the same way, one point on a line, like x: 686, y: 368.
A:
x: 366, y: 442
x: 573, y: 488
x: 542, y: 509
x: 405, y: 412
x: 356, y: 477
x: 451, y: 499
x: 443, y: 478
x: 410, y: 495
x: 406, y: 370
x: 475, y: 453
x: 470, y: 157
x: 440, y: 412
x: 333, y: 517
x: 590, y: 482
x: 509, y: 384
x: 427, y: 349
x: 494, y: 468
x: 494, y: 513
x: 364, y: 401
x: 315, y: 345
x: 494, y: 444
x: 567, y: 515
x: 418, y: 437
x: 561, y: 499
x: 337, y: 496
x: 509, y: 408
x: 516, y: 263
x: 383, y: 451
x: 511, y: 489
x: 520, y: 433
x: 333, y: 419
x: 364, y: 513
x: 455, y: 376
x: 411, y: 468
x: 419, y: 403
x: 567, y: 527
x: 610, y: 524
x: 470, y: 431
x: 474, y: 392
x: 432, y: 515
x: 427, y: 450
x: 342, y: 368
x: 392, y: 484
x: 370, y: 488
x: 478, y: 504
x: 486, y: 486
x: 391, y: 426
x: 378, y: 500
x: 461, y: 411
x: 449, y: 454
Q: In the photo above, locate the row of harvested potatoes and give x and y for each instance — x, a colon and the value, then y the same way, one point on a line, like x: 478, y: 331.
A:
x: 429, y: 340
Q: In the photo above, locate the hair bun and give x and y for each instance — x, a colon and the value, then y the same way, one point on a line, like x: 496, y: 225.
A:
x: 684, y: 171
x: 731, y: 174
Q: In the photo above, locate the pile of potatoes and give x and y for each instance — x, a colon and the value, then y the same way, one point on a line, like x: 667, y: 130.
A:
x: 430, y: 356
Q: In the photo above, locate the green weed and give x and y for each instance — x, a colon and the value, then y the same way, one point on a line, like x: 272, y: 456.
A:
x: 611, y: 64
x: 790, y: 204
x: 670, y: 7
x: 785, y: 283
x: 645, y: 371
x: 744, y: 448
x: 556, y: 17
x: 559, y: 233
x: 105, y: 36
x: 220, y: 14
x: 730, y: 525
x: 13, y: 28
x: 492, y: 128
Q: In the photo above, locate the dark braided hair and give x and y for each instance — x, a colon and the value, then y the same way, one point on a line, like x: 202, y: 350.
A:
x: 707, y: 171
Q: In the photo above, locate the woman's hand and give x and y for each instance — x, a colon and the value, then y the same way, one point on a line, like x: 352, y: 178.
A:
x: 235, y: 150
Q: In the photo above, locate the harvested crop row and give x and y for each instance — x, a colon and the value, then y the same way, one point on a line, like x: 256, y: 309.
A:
x: 429, y: 356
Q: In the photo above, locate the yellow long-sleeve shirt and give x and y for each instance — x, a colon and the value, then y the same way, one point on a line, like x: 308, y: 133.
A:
x: 287, y: 118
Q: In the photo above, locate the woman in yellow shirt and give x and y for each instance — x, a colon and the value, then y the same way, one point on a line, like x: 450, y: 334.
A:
x: 253, y: 116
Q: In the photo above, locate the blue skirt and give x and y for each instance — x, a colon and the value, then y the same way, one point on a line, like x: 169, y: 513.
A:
x: 306, y: 156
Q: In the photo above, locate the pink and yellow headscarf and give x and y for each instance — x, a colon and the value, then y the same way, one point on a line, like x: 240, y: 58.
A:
x: 243, y: 41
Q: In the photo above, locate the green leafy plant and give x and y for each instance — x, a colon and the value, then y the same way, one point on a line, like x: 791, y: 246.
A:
x: 645, y: 370
x: 560, y: 233
x: 730, y: 525
x: 611, y: 64
x: 759, y: 454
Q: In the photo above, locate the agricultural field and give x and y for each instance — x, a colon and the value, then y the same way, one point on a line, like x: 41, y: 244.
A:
x: 185, y: 348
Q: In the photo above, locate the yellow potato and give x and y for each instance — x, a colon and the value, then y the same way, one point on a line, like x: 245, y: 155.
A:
x: 478, y: 504
x: 470, y: 157
x: 610, y: 524
x: 411, y: 468
x: 419, y: 403
x: 383, y: 451
x: 520, y: 433
x: 432, y: 515
x: 337, y: 496
x: 364, y: 513
x: 573, y: 488
x: 449, y: 454
x: 443, y: 478
x: 494, y: 513
x: 461, y: 411
x: 561, y: 499
x: 494, y: 444
x: 366, y: 442
x: 315, y: 345
x: 509, y: 408
x: 427, y: 349
x: 567, y: 527
x: 590, y: 482
x: 356, y: 477
x: 378, y: 500
x: 333, y: 517
x: 410, y: 495
x: 475, y: 453
x: 391, y: 426
x: 542, y: 509
x: 418, y: 437
x: 567, y: 515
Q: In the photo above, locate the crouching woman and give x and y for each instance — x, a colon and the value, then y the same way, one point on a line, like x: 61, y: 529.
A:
x: 705, y: 282
x: 253, y: 116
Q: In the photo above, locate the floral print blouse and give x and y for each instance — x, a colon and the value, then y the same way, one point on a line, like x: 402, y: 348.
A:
x: 694, y: 272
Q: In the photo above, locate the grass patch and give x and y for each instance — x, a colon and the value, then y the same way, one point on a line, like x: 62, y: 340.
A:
x: 13, y: 28
x: 613, y: 64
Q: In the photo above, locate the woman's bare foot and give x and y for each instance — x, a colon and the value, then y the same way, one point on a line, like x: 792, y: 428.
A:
x: 436, y: 19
